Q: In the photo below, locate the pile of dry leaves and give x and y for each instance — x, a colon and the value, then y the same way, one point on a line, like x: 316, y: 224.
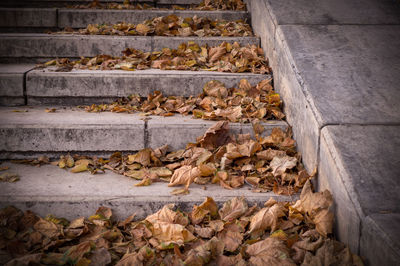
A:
x: 171, y: 25
x: 280, y: 233
x: 242, y: 104
x: 266, y: 163
x: 188, y: 56
x: 204, y: 5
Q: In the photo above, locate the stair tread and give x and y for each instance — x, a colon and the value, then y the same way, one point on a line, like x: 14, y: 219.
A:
x: 47, y: 189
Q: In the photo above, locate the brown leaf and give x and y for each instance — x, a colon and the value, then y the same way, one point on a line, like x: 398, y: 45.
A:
x: 332, y: 253
x: 316, y: 205
x: 207, y: 169
x: 9, y: 177
x: 142, y: 29
x: 142, y: 157
x: 266, y: 218
x: 324, y: 222
x: 205, y: 232
x: 184, y: 175
x: 270, y: 251
x: 207, y: 207
x: 30, y: 259
x: 47, y: 228
x: 216, y: 53
x: 168, y: 234
x: 269, y: 154
x: 77, y: 223
x: 231, y: 236
x: 249, y: 148
x: 77, y: 252
x: 216, y: 89
x: 167, y: 215
x: 233, y: 209
x: 280, y: 164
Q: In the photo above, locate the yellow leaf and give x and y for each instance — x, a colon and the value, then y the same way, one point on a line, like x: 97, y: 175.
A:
x: 79, y: 168
x: 142, y: 29
x: 145, y: 182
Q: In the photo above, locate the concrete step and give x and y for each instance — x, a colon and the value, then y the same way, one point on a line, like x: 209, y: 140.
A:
x: 48, y: 189
x: 63, y: 3
x: 53, y: 18
x: 96, y: 86
x: 12, y: 83
x: 42, y: 46
x: 28, y: 132
x: 81, y: 18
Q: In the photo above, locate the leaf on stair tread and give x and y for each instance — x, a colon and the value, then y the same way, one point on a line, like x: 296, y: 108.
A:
x: 225, y: 57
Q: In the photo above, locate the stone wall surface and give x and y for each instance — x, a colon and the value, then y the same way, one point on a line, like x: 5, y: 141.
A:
x: 336, y: 66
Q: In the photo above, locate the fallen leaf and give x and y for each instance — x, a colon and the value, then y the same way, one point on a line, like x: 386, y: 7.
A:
x: 280, y: 164
x: 266, y: 218
x: 9, y: 177
x: 184, y: 175
x: 270, y: 251
x: 233, y: 209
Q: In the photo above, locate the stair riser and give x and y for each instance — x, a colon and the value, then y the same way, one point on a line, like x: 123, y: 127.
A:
x: 81, y: 18
x: 123, y: 207
x: 58, y: 137
x: 45, y: 45
x: 53, y: 18
x: 84, y: 87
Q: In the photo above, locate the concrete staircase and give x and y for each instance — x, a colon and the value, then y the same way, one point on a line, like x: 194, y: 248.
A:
x: 27, y: 131
x: 336, y: 67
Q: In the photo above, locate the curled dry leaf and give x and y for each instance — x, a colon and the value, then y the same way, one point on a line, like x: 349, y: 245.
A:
x: 280, y: 164
x: 215, y: 136
x: 233, y: 209
x: 184, y: 175
x: 266, y: 218
x: 270, y: 251
x: 316, y: 206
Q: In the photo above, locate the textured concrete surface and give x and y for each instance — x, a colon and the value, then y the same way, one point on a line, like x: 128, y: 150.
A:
x: 307, y: 12
x: 49, y: 189
x: 81, y: 18
x: 350, y: 73
x: 38, y: 45
x: 160, y: 42
x: 68, y: 130
x: 380, y: 234
x: 45, y: 45
x: 28, y: 17
x: 185, y: 130
x: 297, y: 109
x: 363, y: 178
x: 369, y: 172
x: 34, y: 131
x: 46, y: 86
x: 12, y: 83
